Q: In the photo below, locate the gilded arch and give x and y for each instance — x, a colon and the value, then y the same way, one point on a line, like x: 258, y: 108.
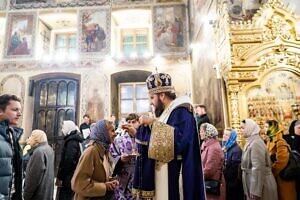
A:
x: 266, y: 47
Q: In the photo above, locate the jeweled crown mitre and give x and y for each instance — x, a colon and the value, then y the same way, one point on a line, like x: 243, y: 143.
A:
x: 159, y: 82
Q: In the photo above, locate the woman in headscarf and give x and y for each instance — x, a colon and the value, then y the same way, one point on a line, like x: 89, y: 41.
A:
x: 212, y: 157
x: 279, y: 154
x: 91, y: 179
x: 232, y: 167
x: 258, y: 180
x: 70, y: 155
x: 40, y: 168
x: 293, y: 139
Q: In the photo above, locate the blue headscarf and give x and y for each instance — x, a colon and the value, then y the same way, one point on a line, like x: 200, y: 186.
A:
x: 99, y: 134
x: 231, y: 140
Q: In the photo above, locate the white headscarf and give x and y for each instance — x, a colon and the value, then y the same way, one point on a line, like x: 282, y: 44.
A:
x: 251, y: 128
x: 69, y: 126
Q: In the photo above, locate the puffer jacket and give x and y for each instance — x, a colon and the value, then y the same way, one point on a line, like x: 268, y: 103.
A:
x: 8, y: 159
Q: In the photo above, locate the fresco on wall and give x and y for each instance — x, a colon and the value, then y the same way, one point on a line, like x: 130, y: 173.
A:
x: 94, y: 31
x: 20, y: 35
x: 243, y: 9
x: 95, y: 105
x: 170, y: 29
x: 278, y: 98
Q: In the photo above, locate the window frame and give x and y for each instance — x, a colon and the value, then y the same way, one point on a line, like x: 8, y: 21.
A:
x: 68, y: 47
x: 135, y: 32
x: 134, y: 98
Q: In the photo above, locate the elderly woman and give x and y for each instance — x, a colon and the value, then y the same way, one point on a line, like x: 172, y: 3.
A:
x: 40, y: 168
x: 212, y: 156
x: 232, y: 167
x: 91, y: 177
x: 258, y: 180
x: 70, y: 155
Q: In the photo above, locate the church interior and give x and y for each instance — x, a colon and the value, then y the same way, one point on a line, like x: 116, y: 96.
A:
x: 67, y: 58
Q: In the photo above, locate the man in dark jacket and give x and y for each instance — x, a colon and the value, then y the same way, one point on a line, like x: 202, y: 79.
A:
x: 10, y: 150
x: 201, y: 116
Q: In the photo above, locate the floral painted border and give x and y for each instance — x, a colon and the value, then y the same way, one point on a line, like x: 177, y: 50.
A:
x: 52, y: 3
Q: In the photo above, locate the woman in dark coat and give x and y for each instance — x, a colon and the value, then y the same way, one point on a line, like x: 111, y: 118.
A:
x: 71, y: 153
x: 232, y: 166
x: 293, y: 139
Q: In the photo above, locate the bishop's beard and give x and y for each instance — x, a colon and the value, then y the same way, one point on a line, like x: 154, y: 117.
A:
x: 159, y: 109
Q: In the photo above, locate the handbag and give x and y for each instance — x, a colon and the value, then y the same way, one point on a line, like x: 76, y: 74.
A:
x: 212, y: 186
x: 292, y: 169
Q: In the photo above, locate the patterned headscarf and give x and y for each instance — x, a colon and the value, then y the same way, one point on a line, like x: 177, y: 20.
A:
x: 99, y: 134
x: 210, y: 131
x: 251, y: 128
x: 231, y: 140
x: 69, y: 126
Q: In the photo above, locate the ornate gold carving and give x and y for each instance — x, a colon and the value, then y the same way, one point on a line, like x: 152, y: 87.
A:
x: 239, y: 50
x: 143, y: 193
x: 161, y: 145
x: 279, y: 27
x: 267, y: 43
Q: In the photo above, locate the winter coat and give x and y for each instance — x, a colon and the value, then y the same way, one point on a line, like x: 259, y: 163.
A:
x: 279, y: 153
x: 6, y: 160
x: 90, y: 176
x: 232, y: 173
x: 212, y: 161
x: 71, y: 153
x: 257, y: 170
x: 202, y: 119
x: 39, y: 180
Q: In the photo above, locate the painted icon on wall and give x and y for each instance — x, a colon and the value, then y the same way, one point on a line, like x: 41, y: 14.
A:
x: 170, y: 32
x: 94, y: 31
x: 20, y: 35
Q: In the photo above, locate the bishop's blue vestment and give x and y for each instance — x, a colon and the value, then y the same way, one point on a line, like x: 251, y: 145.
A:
x: 186, y: 159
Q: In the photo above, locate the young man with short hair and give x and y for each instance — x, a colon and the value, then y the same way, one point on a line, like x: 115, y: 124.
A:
x: 10, y: 150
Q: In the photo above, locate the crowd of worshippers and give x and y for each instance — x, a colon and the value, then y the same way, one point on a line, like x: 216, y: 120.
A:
x: 109, y: 160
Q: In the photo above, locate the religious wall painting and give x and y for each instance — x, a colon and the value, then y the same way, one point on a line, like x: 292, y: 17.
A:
x: 243, y: 9
x: 170, y: 29
x: 94, y: 31
x: 278, y: 97
x: 20, y: 35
